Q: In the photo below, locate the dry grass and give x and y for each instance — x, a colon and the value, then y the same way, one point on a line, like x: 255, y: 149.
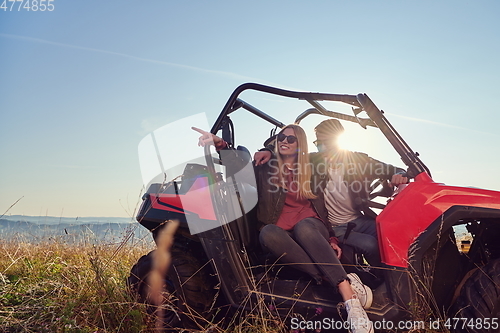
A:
x: 55, y: 286
x: 60, y: 287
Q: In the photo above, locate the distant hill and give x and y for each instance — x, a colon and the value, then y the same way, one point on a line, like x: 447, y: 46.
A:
x: 72, y: 220
x: 96, y: 230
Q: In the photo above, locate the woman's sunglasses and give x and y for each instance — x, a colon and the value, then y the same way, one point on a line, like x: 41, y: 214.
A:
x: 289, y: 138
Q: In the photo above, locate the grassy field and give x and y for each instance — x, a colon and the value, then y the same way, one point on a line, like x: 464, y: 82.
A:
x: 55, y: 286
x: 58, y: 286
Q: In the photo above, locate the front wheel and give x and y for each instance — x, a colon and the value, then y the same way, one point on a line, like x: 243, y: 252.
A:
x: 188, y: 292
x: 479, y: 300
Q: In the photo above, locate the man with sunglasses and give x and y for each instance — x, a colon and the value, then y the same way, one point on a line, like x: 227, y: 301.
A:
x: 344, y: 178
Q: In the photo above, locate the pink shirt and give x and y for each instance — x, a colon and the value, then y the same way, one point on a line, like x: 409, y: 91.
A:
x: 295, y: 209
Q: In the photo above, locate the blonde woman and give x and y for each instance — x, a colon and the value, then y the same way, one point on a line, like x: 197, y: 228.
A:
x: 293, y: 220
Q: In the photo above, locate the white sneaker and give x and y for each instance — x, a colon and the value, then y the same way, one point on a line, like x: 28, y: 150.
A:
x: 364, y: 293
x: 357, y: 318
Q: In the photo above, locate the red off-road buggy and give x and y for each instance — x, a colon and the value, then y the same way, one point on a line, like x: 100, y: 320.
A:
x: 427, y: 277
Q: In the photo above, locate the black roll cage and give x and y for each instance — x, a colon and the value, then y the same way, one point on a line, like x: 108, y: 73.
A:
x: 359, y: 103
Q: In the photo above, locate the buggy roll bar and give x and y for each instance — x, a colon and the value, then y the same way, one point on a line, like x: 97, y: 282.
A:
x: 360, y: 102
x: 240, y: 103
x: 325, y: 112
x: 231, y: 104
x: 408, y: 156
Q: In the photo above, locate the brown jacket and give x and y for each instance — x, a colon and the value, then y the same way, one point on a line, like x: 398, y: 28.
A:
x: 271, y: 197
x: 360, y: 170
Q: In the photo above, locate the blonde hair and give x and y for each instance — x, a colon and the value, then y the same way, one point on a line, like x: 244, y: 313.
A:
x: 303, y: 175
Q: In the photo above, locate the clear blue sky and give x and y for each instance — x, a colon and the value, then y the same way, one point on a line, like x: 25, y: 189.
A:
x: 82, y: 85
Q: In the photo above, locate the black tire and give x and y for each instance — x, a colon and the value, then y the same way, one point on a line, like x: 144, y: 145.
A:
x: 480, y: 298
x: 188, y: 295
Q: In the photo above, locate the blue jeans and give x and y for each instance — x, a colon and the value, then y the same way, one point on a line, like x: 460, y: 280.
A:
x: 307, y: 248
x: 363, y: 238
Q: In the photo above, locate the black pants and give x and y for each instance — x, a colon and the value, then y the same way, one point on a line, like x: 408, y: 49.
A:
x: 363, y: 238
x: 306, y: 248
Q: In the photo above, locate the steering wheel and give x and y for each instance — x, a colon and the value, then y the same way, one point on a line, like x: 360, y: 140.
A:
x: 380, y: 187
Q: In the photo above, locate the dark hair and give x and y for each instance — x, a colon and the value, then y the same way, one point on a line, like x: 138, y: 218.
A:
x: 331, y: 127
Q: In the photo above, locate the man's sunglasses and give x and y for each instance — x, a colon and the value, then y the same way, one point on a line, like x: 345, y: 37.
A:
x: 289, y: 138
x: 317, y: 142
